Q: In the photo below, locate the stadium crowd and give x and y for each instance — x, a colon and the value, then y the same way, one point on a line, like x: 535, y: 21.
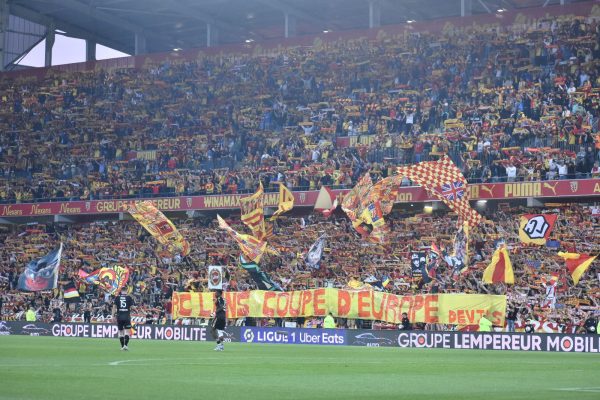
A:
x: 155, y: 276
x: 507, y: 104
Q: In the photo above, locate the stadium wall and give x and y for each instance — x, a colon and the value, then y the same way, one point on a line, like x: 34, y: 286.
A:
x: 537, y: 342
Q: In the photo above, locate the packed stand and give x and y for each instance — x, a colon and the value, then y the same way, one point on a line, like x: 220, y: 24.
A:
x: 506, y: 103
x: 155, y: 276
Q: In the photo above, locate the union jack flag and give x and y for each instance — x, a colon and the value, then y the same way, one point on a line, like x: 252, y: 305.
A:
x: 452, y: 191
x: 445, y: 181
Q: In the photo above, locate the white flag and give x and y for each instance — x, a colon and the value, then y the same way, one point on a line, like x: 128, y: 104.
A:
x: 313, y: 257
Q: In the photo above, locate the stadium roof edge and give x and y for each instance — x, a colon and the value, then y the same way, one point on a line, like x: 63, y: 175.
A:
x: 169, y: 24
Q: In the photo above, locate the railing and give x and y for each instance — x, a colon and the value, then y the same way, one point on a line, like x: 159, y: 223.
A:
x: 405, y: 183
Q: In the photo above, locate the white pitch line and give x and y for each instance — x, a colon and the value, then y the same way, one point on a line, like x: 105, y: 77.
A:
x: 580, y: 389
x: 119, y: 362
x: 124, y: 362
x: 140, y: 359
x: 214, y: 361
x: 31, y: 365
x: 201, y: 358
x: 218, y: 360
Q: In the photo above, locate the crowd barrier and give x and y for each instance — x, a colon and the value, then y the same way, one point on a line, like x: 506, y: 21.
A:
x: 551, y: 342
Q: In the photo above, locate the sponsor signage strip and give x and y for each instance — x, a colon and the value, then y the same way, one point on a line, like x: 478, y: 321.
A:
x: 499, y: 341
x: 488, y: 191
x: 549, y: 342
x: 462, y: 309
x: 250, y: 334
x: 109, y: 331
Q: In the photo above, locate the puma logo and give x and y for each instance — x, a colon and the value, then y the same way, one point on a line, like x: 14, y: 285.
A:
x: 553, y: 188
x: 485, y: 188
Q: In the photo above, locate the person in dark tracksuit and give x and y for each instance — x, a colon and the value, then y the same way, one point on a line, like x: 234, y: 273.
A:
x: 219, y: 321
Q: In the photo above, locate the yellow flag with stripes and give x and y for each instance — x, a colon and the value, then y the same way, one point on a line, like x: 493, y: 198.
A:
x: 252, y: 248
x: 252, y: 213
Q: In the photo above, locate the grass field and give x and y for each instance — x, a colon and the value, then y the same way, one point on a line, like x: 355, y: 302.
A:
x: 69, y: 368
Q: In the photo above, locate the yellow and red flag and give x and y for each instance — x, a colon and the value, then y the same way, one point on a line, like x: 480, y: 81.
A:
x: 111, y: 280
x: 577, y: 264
x: 379, y: 234
x: 444, y: 180
x: 372, y: 214
x: 160, y: 227
x: 352, y: 200
x: 252, y: 213
x: 268, y: 230
x: 367, y: 203
x: 252, y: 248
x: 500, y: 269
x: 536, y: 228
x: 386, y: 192
x: 286, y: 201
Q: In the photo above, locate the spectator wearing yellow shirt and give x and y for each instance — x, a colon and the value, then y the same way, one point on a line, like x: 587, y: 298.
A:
x: 30, y: 315
x: 329, y: 322
x: 485, y: 325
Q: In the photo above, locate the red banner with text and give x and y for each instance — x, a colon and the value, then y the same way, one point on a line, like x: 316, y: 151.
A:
x: 411, y: 194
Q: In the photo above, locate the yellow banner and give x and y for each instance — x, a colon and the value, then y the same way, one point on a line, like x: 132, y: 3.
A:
x: 460, y: 309
x: 160, y: 227
x: 286, y: 201
x: 252, y: 213
x: 249, y: 245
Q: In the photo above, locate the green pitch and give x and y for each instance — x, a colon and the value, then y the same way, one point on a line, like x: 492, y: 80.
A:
x: 67, y: 368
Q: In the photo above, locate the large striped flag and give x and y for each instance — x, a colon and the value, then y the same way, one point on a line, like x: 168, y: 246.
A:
x: 70, y: 293
x: 536, y: 228
x: 160, y: 227
x: 251, y: 247
x: 286, y: 201
x: 111, y: 279
x: 500, y: 269
x: 252, y: 213
x: 444, y: 180
x: 268, y: 230
x: 577, y: 264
